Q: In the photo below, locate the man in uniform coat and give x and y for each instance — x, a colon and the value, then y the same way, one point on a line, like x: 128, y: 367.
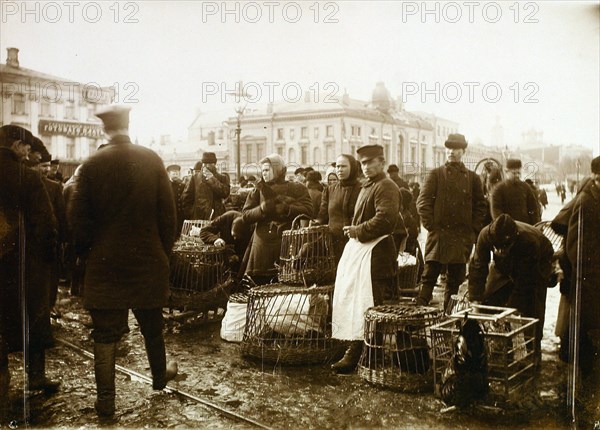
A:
x: 452, y: 209
x: 203, y: 196
x: 27, y: 245
x: 178, y: 186
x: 376, y: 214
x: 514, y: 197
x: 123, y: 219
x: 520, y: 273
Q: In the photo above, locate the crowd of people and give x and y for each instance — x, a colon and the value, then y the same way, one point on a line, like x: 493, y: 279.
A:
x: 115, y: 222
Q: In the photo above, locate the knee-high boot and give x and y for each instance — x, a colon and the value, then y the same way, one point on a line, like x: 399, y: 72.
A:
x: 104, y: 369
x: 348, y: 363
x: 162, y: 372
x: 36, y: 373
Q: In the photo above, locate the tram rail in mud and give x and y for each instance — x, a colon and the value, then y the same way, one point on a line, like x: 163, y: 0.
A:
x: 138, y: 376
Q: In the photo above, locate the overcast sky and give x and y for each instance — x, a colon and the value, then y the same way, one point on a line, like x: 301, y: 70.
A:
x: 529, y: 64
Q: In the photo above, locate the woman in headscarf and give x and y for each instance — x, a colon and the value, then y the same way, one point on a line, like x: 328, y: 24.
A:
x: 272, y: 205
x: 331, y: 177
x: 338, y: 201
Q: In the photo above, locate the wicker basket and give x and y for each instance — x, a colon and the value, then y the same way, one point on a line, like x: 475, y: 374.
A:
x: 408, y: 274
x: 307, y: 255
x: 289, y: 325
x: 397, y: 344
x: 510, y: 345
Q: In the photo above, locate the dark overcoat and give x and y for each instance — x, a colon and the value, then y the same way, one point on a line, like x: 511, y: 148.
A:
x: 178, y: 186
x: 515, y: 198
x: 123, y: 218
x: 452, y: 209
x: 27, y: 247
x: 376, y: 214
x: 266, y: 241
x: 203, y: 198
x: 337, y: 210
x: 587, y: 204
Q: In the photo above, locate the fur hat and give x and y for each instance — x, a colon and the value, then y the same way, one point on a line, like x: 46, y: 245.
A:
x: 503, y: 230
x: 513, y: 163
x: 456, y: 141
x: 596, y: 165
x: 209, y: 157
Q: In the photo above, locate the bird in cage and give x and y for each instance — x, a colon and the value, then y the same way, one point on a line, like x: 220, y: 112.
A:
x: 465, y: 379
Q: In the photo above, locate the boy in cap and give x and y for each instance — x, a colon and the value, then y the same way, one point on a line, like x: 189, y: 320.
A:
x: 452, y: 209
x: 368, y: 264
x: 177, y: 185
x: 203, y: 195
x: 125, y: 247
x: 514, y: 197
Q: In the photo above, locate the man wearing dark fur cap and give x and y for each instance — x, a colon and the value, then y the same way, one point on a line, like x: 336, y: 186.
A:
x: 204, y: 193
x: 514, y: 197
x: 452, y: 209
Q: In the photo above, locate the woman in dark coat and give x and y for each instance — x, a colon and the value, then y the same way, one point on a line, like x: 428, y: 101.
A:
x: 338, y: 201
x: 27, y: 244
x: 315, y: 190
x: 272, y: 205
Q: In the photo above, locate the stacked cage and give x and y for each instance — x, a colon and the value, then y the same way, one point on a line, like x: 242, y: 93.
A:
x: 397, y: 347
x: 410, y: 268
x: 509, y: 344
x: 290, y: 322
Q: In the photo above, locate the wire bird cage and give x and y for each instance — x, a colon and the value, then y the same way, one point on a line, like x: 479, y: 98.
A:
x: 396, y: 351
x: 554, y: 238
x: 196, y: 271
x: 510, y: 344
x: 409, y: 267
x: 307, y: 255
x: 289, y: 324
x: 191, y: 228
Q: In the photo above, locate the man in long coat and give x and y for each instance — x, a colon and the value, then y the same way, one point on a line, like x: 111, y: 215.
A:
x: 520, y: 273
x: 515, y: 197
x: 584, y: 231
x: 123, y: 219
x: 178, y: 186
x: 27, y: 244
x: 452, y: 209
x: 376, y: 216
x: 203, y: 195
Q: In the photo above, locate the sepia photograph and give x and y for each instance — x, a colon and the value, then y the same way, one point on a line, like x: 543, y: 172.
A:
x: 300, y: 214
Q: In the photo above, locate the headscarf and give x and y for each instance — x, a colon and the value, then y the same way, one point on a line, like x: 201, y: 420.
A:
x: 354, y: 170
x: 277, y: 164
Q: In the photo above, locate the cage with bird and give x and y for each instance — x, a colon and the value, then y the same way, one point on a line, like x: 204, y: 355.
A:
x: 482, y: 358
x: 396, y: 352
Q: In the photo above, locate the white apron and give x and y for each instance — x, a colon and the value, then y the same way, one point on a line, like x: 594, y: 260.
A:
x: 353, y: 293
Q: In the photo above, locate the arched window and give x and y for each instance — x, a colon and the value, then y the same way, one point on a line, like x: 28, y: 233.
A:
x: 317, y: 156
x: 291, y: 155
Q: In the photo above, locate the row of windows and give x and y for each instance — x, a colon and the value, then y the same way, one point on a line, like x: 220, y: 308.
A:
x: 444, y: 131
x: 19, y: 107
x: 304, y: 132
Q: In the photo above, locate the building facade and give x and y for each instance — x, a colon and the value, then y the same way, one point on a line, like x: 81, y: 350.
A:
x: 59, y: 111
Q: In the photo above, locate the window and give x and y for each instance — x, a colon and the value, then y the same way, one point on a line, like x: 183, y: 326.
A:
x: 292, y: 133
x: 317, y: 155
x: 18, y: 106
x: 280, y: 150
x: 291, y: 155
x: 71, y: 148
x: 45, y: 109
x: 280, y: 134
x: 220, y: 134
x: 304, y: 132
x: 259, y: 151
x: 316, y: 132
x: 424, y: 155
x: 423, y: 138
x: 70, y: 110
x: 303, y: 155
x: 438, y: 130
x: 356, y: 131
x: 329, y: 131
x: 413, y: 154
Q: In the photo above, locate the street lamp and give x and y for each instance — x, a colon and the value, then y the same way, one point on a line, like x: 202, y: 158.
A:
x: 239, y: 110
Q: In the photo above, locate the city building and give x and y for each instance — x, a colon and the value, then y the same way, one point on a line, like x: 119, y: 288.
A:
x: 58, y: 110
